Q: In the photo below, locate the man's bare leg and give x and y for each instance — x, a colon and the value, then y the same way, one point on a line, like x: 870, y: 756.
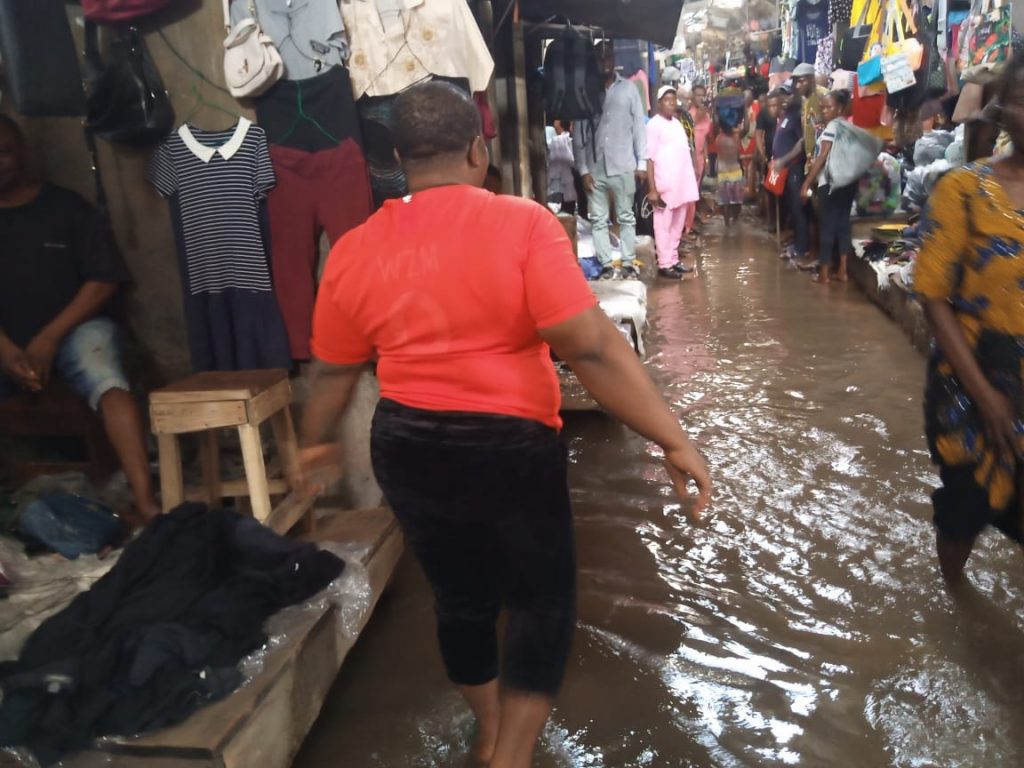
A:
x: 523, y: 715
x: 484, y: 701
x: 123, y: 423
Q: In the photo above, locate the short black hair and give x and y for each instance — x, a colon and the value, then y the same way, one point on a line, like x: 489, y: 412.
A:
x: 493, y: 170
x: 842, y: 97
x: 433, y: 119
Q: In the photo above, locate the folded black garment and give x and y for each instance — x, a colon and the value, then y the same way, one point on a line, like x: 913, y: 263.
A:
x: 160, y: 635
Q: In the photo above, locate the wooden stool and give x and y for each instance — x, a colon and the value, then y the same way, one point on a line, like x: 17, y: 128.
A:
x: 57, y: 412
x: 244, y: 399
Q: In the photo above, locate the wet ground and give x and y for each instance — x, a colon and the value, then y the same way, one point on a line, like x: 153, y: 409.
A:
x: 802, y: 622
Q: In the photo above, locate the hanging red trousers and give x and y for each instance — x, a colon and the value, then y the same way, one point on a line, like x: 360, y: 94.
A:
x: 316, y: 192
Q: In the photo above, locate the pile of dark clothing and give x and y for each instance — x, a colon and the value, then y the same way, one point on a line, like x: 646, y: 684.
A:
x: 160, y: 635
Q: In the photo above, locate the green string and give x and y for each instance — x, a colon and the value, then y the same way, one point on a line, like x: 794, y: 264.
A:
x: 303, y: 116
x: 197, y: 72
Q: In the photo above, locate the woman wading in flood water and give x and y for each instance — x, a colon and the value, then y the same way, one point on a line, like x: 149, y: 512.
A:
x: 971, y: 275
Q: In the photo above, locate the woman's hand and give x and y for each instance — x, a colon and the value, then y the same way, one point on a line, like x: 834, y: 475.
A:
x: 999, y: 423
x: 654, y: 198
x: 685, y: 464
x: 319, y: 467
x: 805, y: 190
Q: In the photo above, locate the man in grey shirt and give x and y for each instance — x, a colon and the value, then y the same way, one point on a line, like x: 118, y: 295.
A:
x: 611, y: 156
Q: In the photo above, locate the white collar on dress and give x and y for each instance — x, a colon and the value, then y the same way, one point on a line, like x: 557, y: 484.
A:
x: 226, y: 150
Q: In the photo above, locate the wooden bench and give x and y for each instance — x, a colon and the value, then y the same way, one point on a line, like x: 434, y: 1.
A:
x: 57, y: 412
x: 263, y: 724
x: 207, y: 402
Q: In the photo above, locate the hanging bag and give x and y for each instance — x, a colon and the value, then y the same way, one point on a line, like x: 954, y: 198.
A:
x: 853, y: 153
x: 903, y: 56
x: 126, y: 99
x: 938, y: 78
x: 119, y: 11
x: 573, y: 86
x: 251, y: 61
x: 991, y: 33
x: 854, y: 42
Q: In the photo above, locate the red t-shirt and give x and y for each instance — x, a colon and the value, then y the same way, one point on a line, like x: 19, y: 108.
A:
x: 447, y: 288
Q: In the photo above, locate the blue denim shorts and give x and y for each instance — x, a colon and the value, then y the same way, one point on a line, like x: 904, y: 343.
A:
x: 89, y: 359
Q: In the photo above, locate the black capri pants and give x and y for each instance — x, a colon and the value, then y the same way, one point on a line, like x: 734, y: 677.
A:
x: 483, y: 501
x: 835, y: 230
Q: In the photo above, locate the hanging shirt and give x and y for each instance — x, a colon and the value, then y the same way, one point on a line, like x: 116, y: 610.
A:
x: 217, y: 182
x: 453, y: 327
x: 52, y: 246
x: 840, y: 12
x: 560, y: 162
x: 669, y: 149
x: 391, y: 52
x: 812, y: 25
x: 618, y: 143
x: 309, y: 34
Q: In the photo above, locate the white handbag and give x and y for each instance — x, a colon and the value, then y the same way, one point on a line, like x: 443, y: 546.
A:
x: 251, y: 61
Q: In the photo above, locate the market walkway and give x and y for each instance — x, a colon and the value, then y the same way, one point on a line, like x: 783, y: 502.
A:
x: 802, y: 623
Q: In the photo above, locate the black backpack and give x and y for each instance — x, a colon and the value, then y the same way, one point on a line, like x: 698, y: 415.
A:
x: 573, y: 86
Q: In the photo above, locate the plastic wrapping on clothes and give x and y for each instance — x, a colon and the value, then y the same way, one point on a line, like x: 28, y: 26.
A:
x: 349, y: 595
x: 931, y: 147
x: 921, y: 182
x: 879, y: 190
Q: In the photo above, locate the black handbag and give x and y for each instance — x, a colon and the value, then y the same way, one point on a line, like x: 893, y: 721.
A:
x: 854, y: 41
x: 41, y: 67
x: 126, y: 100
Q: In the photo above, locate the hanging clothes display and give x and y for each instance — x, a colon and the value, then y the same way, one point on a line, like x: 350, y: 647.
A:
x: 398, y: 43
x: 812, y: 25
x: 386, y: 177
x: 216, y: 183
x: 309, y: 34
x: 323, y: 186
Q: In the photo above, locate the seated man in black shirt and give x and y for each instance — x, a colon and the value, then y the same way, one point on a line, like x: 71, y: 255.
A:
x: 58, y: 273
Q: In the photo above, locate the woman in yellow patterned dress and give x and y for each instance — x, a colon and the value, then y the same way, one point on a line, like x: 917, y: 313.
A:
x: 970, y: 275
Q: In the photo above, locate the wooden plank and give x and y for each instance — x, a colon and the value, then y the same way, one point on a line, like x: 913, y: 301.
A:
x: 209, y: 457
x: 151, y: 759
x: 255, y: 471
x: 267, y: 403
x: 196, y: 417
x: 219, y: 385
x: 172, y: 486
x: 230, y: 489
x: 290, y: 511
x: 294, y: 703
x: 216, y: 727
x: 288, y: 452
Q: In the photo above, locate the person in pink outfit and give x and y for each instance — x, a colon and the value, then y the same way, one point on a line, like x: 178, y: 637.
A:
x: 702, y: 128
x: 673, y: 182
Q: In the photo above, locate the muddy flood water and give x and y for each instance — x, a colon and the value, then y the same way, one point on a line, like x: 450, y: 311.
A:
x: 802, y: 622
